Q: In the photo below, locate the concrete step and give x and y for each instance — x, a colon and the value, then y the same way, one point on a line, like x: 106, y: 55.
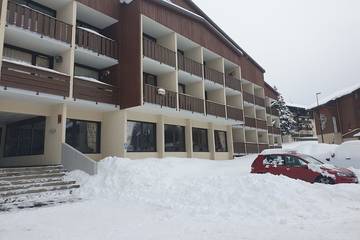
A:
x: 30, y: 172
x: 25, y: 169
x: 38, y: 190
x: 34, y: 176
x: 29, y: 181
x: 35, y: 185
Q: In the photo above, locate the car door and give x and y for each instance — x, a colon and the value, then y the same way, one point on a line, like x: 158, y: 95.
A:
x: 295, y: 168
x: 274, y: 164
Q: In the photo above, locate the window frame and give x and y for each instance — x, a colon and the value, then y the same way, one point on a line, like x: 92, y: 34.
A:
x: 207, y: 138
x: 183, y: 137
x: 154, y: 137
x: 226, y: 149
x: 98, y: 135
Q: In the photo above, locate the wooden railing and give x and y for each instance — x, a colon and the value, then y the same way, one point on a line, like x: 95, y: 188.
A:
x: 232, y: 83
x: 248, y: 97
x: 34, y: 79
x: 262, y: 147
x: 97, y: 92
x: 252, y: 148
x: 191, y: 103
x: 235, y: 113
x: 239, y: 147
x: 274, y: 112
x: 213, y: 75
x: 158, y: 52
x: 250, y: 122
x: 268, y: 110
x: 35, y: 21
x: 151, y: 95
x: 259, y: 101
x: 215, y: 109
x: 274, y: 130
x: 189, y: 65
x: 261, y: 124
x: 96, y: 43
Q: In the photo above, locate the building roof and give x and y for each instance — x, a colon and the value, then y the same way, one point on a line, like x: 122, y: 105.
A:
x: 205, y: 19
x: 295, y: 105
x: 336, y: 95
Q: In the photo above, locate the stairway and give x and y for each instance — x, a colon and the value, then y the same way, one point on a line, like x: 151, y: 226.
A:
x: 28, y: 187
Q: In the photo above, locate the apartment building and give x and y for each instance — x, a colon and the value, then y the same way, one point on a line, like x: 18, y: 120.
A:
x: 337, y: 116
x: 132, y: 79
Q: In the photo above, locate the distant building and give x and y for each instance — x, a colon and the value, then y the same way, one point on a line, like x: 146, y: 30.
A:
x: 339, y: 116
x: 305, y: 124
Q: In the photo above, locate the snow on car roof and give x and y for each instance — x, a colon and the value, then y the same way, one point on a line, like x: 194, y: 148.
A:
x: 279, y: 151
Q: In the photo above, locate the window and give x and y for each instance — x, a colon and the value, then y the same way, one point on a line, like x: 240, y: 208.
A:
x: 25, y: 137
x: 83, y: 135
x: 182, y: 88
x: 141, y: 137
x: 275, y: 160
x: 174, y: 138
x: 220, y: 141
x: 200, y: 140
x: 27, y: 56
x: 38, y: 7
x: 150, y: 79
x: 292, y: 161
x: 82, y: 71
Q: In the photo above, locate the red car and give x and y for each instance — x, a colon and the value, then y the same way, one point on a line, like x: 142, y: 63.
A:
x: 300, y: 166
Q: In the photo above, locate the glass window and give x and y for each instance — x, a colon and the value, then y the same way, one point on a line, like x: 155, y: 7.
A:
x: 83, y: 135
x: 220, y: 141
x: 292, y: 161
x: 141, y: 137
x: 275, y: 160
x: 42, y: 61
x: 174, y: 138
x: 25, y: 137
x: 17, y: 55
x: 150, y: 79
x: 182, y: 88
x: 200, y: 140
x: 82, y: 71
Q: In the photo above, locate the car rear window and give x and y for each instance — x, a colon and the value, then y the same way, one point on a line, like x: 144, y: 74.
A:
x: 273, y: 160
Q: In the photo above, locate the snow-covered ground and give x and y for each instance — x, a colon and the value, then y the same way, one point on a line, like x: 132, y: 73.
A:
x: 192, y: 199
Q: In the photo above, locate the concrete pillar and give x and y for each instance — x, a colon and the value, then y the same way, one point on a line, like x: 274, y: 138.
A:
x: 55, y: 134
x: 160, y: 139
x: 2, y: 28
x: 230, y: 144
x: 189, y: 139
x: 211, y: 140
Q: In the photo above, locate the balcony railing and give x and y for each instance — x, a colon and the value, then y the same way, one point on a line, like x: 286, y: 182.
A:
x: 151, y: 95
x: 262, y: 147
x: 239, y: 147
x: 35, y: 21
x: 191, y: 103
x: 215, y: 109
x: 232, y: 83
x: 235, y: 113
x: 159, y: 53
x: 190, y: 66
x: 252, y: 148
x: 259, y: 101
x: 261, y: 124
x: 274, y: 130
x: 34, y: 79
x: 93, y: 91
x: 248, y: 97
x: 250, y: 122
x: 213, y: 75
x: 268, y: 110
x: 274, y: 112
x: 96, y: 43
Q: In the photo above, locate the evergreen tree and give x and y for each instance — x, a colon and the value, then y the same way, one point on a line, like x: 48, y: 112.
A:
x: 287, y: 122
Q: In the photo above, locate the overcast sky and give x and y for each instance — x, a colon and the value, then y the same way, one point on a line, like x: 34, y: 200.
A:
x: 305, y: 46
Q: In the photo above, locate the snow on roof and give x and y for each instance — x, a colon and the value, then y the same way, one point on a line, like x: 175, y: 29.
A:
x: 295, y: 105
x: 357, y: 135
x: 278, y: 151
x: 126, y: 1
x: 336, y: 95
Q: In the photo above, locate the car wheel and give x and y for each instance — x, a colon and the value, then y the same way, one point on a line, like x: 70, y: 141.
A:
x: 325, y: 180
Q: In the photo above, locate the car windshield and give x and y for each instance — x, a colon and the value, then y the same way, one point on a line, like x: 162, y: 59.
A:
x: 312, y: 160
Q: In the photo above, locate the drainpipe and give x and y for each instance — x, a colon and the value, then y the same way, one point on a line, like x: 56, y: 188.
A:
x: 339, y: 117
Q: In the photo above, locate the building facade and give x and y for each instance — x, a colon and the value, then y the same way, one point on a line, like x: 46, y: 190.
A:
x: 133, y: 79
x: 337, y: 117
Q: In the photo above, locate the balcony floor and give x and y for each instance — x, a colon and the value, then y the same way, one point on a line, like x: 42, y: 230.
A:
x: 92, y: 59
x: 155, y: 67
x: 20, y: 37
x: 231, y: 92
x: 210, y: 85
x: 187, y: 78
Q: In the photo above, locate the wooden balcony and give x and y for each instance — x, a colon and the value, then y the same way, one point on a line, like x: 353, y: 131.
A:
x: 215, y: 109
x: 235, y: 113
x: 34, y: 79
x: 274, y: 130
x: 213, y: 75
x: 151, y: 95
x: 190, y: 66
x: 259, y: 101
x: 233, y: 83
x: 37, y: 22
x: 262, y: 147
x: 274, y: 112
x: 96, y: 92
x: 248, y: 97
x: 250, y: 122
x: 268, y: 110
x: 239, y: 147
x: 261, y: 124
x: 252, y: 148
x: 159, y: 53
x: 99, y: 44
x: 190, y: 103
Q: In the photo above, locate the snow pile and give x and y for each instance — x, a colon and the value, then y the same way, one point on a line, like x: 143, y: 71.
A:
x: 321, y: 151
x: 347, y: 154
